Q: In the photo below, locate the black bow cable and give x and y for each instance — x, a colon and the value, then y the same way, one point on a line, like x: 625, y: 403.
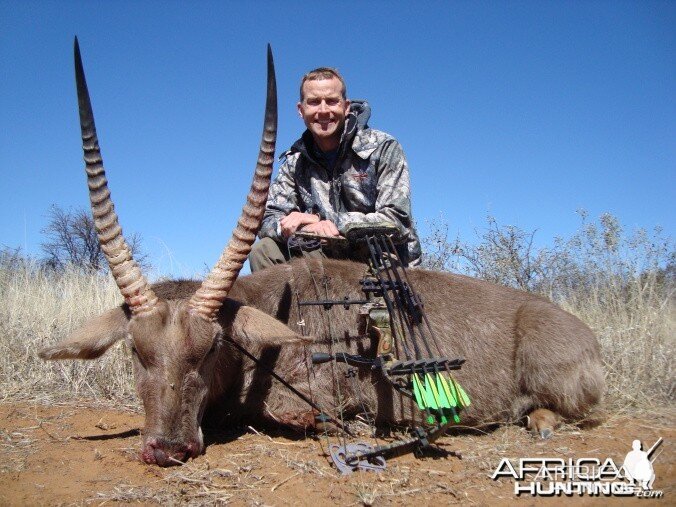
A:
x: 286, y: 384
x: 389, y: 246
x: 422, y: 307
x: 378, y: 253
x: 403, y: 287
x: 378, y: 266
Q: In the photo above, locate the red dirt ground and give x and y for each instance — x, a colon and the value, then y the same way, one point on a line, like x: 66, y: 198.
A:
x: 72, y: 454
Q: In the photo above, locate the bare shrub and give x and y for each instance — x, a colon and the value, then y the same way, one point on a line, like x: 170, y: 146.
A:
x: 504, y: 255
x: 71, y: 240
x: 621, y: 285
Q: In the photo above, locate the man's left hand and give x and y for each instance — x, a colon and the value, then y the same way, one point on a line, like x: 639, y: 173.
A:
x: 322, y: 228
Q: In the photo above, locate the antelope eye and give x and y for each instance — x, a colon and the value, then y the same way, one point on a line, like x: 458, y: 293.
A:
x: 213, y: 347
x: 137, y: 355
x: 217, y: 340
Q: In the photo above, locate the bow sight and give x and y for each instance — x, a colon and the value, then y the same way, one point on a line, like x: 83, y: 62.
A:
x: 407, y: 354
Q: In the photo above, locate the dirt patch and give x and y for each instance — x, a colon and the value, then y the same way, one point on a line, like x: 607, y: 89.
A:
x: 86, y: 455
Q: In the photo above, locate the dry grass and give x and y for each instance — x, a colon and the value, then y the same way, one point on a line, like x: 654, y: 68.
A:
x: 242, y: 474
x: 634, y: 322
x: 635, y: 325
x: 248, y: 475
x: 15, y: 445
x: 40, y: 308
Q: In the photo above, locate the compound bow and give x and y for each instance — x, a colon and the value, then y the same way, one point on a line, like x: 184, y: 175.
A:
x: 408, y: 354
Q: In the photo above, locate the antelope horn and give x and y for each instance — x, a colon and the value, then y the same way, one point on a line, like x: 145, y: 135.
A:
x: 215, y: 287
x: 128, y: 277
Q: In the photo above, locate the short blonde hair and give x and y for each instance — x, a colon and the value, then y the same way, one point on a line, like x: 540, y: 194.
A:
x: 323, y: 73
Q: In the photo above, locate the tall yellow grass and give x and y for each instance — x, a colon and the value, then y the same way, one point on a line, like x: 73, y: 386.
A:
x: 39, y: 308
x: 633, y: 319
x: 635, y: 326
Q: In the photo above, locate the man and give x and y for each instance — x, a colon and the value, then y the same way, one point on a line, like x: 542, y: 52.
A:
x: 340, y: 172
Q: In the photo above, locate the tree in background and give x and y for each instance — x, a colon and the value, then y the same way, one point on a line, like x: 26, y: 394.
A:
x: 598, y: 254
x: 503, y: 255
x: 71, y: 240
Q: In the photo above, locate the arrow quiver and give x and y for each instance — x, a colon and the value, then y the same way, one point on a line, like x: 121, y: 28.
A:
x: 407, y: 354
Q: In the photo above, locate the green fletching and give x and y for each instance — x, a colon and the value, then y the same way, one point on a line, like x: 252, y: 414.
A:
x: 431, y: 399
x: 462, y: 395
x: 433, y: 387
x: 452, y: 400
x: 418, y: 392
x: 443, y: 398
x: 453, y: 392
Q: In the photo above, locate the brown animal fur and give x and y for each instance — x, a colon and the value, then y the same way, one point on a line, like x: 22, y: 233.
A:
x: 523, y: 353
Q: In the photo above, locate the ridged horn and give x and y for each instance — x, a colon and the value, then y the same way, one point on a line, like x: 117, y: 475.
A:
x: 215, y: 287
x: 128, y: 277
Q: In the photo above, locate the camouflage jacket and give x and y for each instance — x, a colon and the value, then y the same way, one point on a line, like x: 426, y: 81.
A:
x: 368, y: 182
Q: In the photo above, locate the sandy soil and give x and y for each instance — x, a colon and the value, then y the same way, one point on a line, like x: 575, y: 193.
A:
x: 83, y: 455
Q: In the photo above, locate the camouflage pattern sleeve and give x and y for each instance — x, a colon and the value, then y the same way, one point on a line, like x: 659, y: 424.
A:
x: 282, y: 200
x: 393, y: 201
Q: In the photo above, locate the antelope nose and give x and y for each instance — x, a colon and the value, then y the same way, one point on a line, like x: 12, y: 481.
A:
x: 165, y: 459
x: 161, y: 457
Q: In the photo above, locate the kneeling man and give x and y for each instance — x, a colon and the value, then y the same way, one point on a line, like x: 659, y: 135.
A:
x: 339, y: 173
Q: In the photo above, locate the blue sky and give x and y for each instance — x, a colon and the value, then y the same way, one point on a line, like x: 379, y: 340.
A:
x: 523, y: 110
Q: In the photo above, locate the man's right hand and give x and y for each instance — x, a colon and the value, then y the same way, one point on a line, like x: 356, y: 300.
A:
x: 295, y: 220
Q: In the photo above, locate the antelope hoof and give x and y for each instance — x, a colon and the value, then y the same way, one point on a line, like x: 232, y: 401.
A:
x: 543, y: 422
x: 324, y: 425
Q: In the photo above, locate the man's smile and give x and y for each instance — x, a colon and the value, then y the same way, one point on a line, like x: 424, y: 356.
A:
x: 325, y: 124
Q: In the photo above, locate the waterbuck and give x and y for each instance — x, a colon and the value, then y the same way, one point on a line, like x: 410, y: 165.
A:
x: 524, y: 354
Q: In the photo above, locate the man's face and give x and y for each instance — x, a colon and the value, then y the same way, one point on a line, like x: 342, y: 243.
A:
x: 323, y: 110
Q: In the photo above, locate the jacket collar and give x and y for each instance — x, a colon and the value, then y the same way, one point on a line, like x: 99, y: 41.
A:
x: 363, y: 145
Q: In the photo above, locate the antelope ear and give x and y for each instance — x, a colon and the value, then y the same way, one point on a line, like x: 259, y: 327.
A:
x: 93, y: 339
x: 250, y: 324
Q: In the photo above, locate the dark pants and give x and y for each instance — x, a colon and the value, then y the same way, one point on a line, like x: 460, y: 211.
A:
x: 267, y: 252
